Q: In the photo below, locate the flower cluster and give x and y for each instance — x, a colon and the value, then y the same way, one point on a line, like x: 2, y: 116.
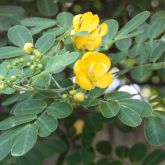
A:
x: 89, y: 23
x: 93, y: 68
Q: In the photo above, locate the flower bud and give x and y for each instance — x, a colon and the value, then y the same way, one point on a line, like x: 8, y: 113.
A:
x: 72, y: 92
x: 2, y: 77
x: 21, y: 60
x: 28, y: 48
x: 28, y: 64
x: 40, y: 66
x: 2, y: 86
x: 37, y: 54
x: 32, y: 67
x: 33, y: 58
x: 64, y: 96
x: 79, y: 126
x: 79, y: 97
x: 13, y: 78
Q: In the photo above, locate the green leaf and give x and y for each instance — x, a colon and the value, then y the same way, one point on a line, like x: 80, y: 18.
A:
x: 158, y: 51
x: 154, y: 131
x: 103, y: 161
x: 47, y: 124
x: 122, y: 151
x: 59, y: 62
x: 65, y: 19
x: 112, y: 31
x: 87, y: 155
x: 110, y: 109
x: 133, y: 24
x: 12, y: 13
x: 74, y: 158
x: 25, y: 140
x: 37, y: 21
x: 117, y: 95
x: 19, y: 35
x: 59, y: 110
x: 155, y: 157
x: 157, y: 27
x: 10, y: 52
x: 83, y: 33
x: 124, y: 44
x: 141, y: 107
x: 137, y: 152
x: 45, y: 42
x: 129, y: 117
x: 104, y: 147
x: 141, y: 73
x: 50, y: 147
x: 96, y: 92
x: 6, y: 142
x: 47, y: 8
x: 15, y: 121
x: 31, y: 106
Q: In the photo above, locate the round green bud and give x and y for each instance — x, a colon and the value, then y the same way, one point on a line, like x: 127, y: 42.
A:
x: 13, y: 78
x: 21, y: 60
x: 9, y: 66
x: 37, y: 54
x: 2, y: 86
x: 64, y: 96
x: 32, y: 67
x: 8, y: 82
x: 28, y: 64
x: 33, y: 58
x: 40, y: 66
x: 72, y: 92
x: 2, y: 77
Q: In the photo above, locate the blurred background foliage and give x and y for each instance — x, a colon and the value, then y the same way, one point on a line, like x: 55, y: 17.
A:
x: 151, y: 84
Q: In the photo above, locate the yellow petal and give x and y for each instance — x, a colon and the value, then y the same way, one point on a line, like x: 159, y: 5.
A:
x: 77, y: 67
x: 103, y: 29
x: 84, y: 82
x: 80, y: 41
x: 89, y: 22
x: 105, y: 81
x: 93, y: 44
x: 76, y: 22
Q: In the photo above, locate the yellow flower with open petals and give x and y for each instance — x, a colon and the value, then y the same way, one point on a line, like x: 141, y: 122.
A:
x: 93, y: 70
x: 90, y: 23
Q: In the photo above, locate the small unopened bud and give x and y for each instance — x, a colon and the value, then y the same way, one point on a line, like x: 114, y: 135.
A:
x: 72, y: 92
x: 28, y: 64
x: 13, y: 78
x: 2, y: 86
x: 33, y: 58
x: 9, y: 66
x: 79, y: 97
x: 2, y: 77
x: 37, y: 54
x: 40, y: 66
x: 21, y: 60
x: 32, y: 67
x: 28, y: 48
x: 79, y: 126
x: 64, y: 96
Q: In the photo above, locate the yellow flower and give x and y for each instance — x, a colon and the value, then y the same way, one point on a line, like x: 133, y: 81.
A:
x: 28, y: 48
x: 90, y: 23
x: 93, y: 70
x: 79, y: 125
x: 79, y: 96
